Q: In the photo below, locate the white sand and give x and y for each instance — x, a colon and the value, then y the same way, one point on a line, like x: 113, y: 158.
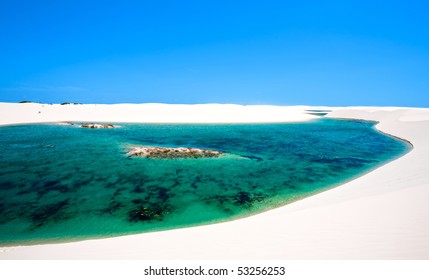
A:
x: 11, y: 113
x: 381, y: 215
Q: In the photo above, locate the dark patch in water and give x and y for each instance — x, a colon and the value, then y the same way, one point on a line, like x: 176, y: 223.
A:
x: 7, y: 185
x: 247, y: 199
x: 51, y: 186
x: 101, y: 179
x: 241, y: 199
x: 138, y: 189
x: 137, y: 201
x: 119, y: 191
x: 164, y: 194
x: 346, y: 162
x: 149, y: 212
x: 160, y: 193
x: 288, y: 185
x: 2, y: 209
x: 110, y: 185
x: 176, y: 183
x: 49, y: 212
x: 83, y: 183
x: 25, y: 191
x: 112, y: 207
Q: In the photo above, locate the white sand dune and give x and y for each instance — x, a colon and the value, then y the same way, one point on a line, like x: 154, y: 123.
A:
x: 381, y: 215
x: 13, y: 113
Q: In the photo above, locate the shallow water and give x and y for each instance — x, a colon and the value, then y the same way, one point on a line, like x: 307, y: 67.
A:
x: 62, y: 183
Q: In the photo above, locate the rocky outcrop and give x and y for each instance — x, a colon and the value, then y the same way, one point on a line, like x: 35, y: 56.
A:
x: 171, y: 153
x: 96, y: 125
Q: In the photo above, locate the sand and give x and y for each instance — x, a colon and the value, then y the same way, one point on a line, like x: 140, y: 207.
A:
x: 14, y: 113
x: 383, y: 214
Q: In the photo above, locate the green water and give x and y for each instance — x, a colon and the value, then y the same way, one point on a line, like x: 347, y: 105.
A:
x: 62, y: 183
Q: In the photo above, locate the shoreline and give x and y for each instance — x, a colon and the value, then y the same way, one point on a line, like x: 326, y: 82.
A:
x: 321, y: 226
x: 380, y: 131
x: 397, y: 137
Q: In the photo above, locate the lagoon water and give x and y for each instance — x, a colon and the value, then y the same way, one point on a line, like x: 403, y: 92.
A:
x: 60, y: 183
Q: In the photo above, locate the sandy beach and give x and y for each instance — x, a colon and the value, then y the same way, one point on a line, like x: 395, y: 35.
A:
x: 380, y: 215
x: 14, y: 113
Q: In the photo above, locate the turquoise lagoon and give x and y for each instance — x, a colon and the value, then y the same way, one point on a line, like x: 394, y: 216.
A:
x: 61, y: 183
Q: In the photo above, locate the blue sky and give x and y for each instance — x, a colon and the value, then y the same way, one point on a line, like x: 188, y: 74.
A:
x: 248, y: 52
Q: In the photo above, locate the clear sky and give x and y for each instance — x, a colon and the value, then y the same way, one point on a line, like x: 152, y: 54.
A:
x: 246, y: 52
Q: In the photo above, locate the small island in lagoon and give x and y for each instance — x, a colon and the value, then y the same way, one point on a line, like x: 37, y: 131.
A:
x: 171, y: 153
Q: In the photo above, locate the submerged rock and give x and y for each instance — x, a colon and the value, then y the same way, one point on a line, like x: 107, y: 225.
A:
x: 153, y: 211
x: 96, y: 125
x: 171, y: 153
